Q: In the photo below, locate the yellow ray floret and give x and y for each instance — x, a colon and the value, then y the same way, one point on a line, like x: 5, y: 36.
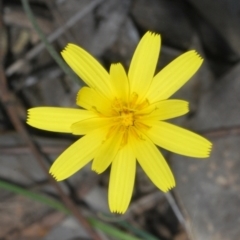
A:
x: 144, y: 62
x: 56, y: 119
x: 174, y: 76
x: 166, y: 109
x: 123, y: 171
x: 179, y: 140
x: 88, y: 68
x: 154, y: 164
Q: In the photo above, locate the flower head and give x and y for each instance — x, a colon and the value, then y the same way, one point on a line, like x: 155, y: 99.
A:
x: 122, y: 118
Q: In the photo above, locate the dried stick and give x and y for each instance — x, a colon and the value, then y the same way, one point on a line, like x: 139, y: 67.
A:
x: 51, y: 38
x: 6, y: 97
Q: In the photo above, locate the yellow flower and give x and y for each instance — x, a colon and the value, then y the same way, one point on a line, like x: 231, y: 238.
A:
x: 123, y: 118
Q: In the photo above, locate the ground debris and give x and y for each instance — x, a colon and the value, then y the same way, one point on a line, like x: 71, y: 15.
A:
x: 207, y: 192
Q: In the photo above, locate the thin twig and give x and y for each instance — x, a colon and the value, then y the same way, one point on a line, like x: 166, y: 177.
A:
x: 16, y: 150
x: 6, y: 96
x: 12, y: 112
x: 221, y: 132
x: 48, y: 46
x: 60, y: 20
x: 178, y: 212
x: 51, y: 38
x: 145, y: 203
x: 175, y: 208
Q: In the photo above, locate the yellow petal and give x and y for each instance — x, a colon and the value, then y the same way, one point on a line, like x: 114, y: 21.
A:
x: 144, y: 63
x: 88, y: 69
x: 107, y: 151
x: 56, y: 119
x: 119, y: 81
x: 179, y: 140
x: 77, y: 155
x: 89, y: 99
x: 88, y: 125
x: 154, y: 164
x: 174, y: 76
x: 167, y: 109
x: 121, y: 181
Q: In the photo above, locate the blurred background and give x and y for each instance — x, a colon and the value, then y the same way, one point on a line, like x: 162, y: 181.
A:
x: 205, y: 205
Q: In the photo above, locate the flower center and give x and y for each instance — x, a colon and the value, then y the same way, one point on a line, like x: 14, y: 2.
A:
x: 126, y: 114
x: 127, y: 118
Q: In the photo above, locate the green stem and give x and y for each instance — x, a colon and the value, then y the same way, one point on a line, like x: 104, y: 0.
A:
x: 34, y: 196
x: 48, y: 46
x: 136, y: 231
x: 111, y: 231
x: 108, y: 229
